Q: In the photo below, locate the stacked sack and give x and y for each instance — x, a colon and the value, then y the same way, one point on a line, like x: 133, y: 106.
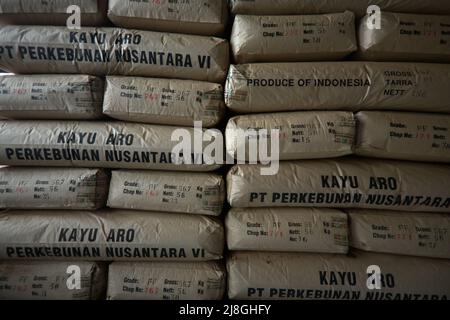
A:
x: 95, y: 191
x: 160, y: 231
x: 33, y: 197
x: 285, y: 240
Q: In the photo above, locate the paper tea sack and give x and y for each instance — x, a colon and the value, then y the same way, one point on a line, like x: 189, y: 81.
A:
x: 99, y: 145
x: 112, y: 51
x: 164, y: 101
x: 47, y: 280
x: 109, y: 235
x: 198, y: 193
x: 406, y: 37
x: 61, y: 97
x: 345, y: 183
x: 302, y: 135
x: 201, y: 17
x: 404, y: 136
x: 353, y: 86
x: 293, y: 38
x: 32, y: 12
x: 278, y: 276
x: 53, y: 188
x: 360, y: 7
x: 287, y: 230
x: 415, y: 234
x: 166, y: 281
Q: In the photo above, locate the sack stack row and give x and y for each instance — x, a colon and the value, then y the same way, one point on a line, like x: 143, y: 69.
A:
x: 97, y: 188
x: 84, y: 101
x: 343, y: 218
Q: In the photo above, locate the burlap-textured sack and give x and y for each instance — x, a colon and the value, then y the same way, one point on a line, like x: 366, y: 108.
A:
x: 404, y: 136
x: 119, y: 235
x: 95, y: 144
x: 287, y: 230
x: 406, y: 37
x: 31, y: 12
x: 204, y: 17
x: 415, y: 234
x: 75, y: 97
x: 277, y: 276
x: 283, y: 7
x: 53, y: 188
x: 47, y: 280
x: 198, y: 193
x: 112, y: 51
x: 274, y: 87
x: 302, y: 135
x: 166, y: 281
x: 163, y: 101
x: 293, y: 38
x: 345, y: 183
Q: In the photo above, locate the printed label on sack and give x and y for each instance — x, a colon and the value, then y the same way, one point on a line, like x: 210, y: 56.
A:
x: 48, y: 280
x: 177, y: 99
x: 354, y: 197
x: 437, y: 137
x: 210, y: 198
x: 413, y: 135
x: 393, y: 232
x: 56, y: 188
x: 166, y: 281
x: 109, y: 235
x: 287, y: 229
x: 415, y: 30
x: 112, y: 51
x: 407, y: 35
x: 362, y: 276
x: 293, y: 38
x: 297, y: 232
x: 105, y: 144
x: 45, y: 190
x: 171, y: 194
x: 49, y: 95
x: 337, y: 86
x: 170, y: 288
x: 347, y: 183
